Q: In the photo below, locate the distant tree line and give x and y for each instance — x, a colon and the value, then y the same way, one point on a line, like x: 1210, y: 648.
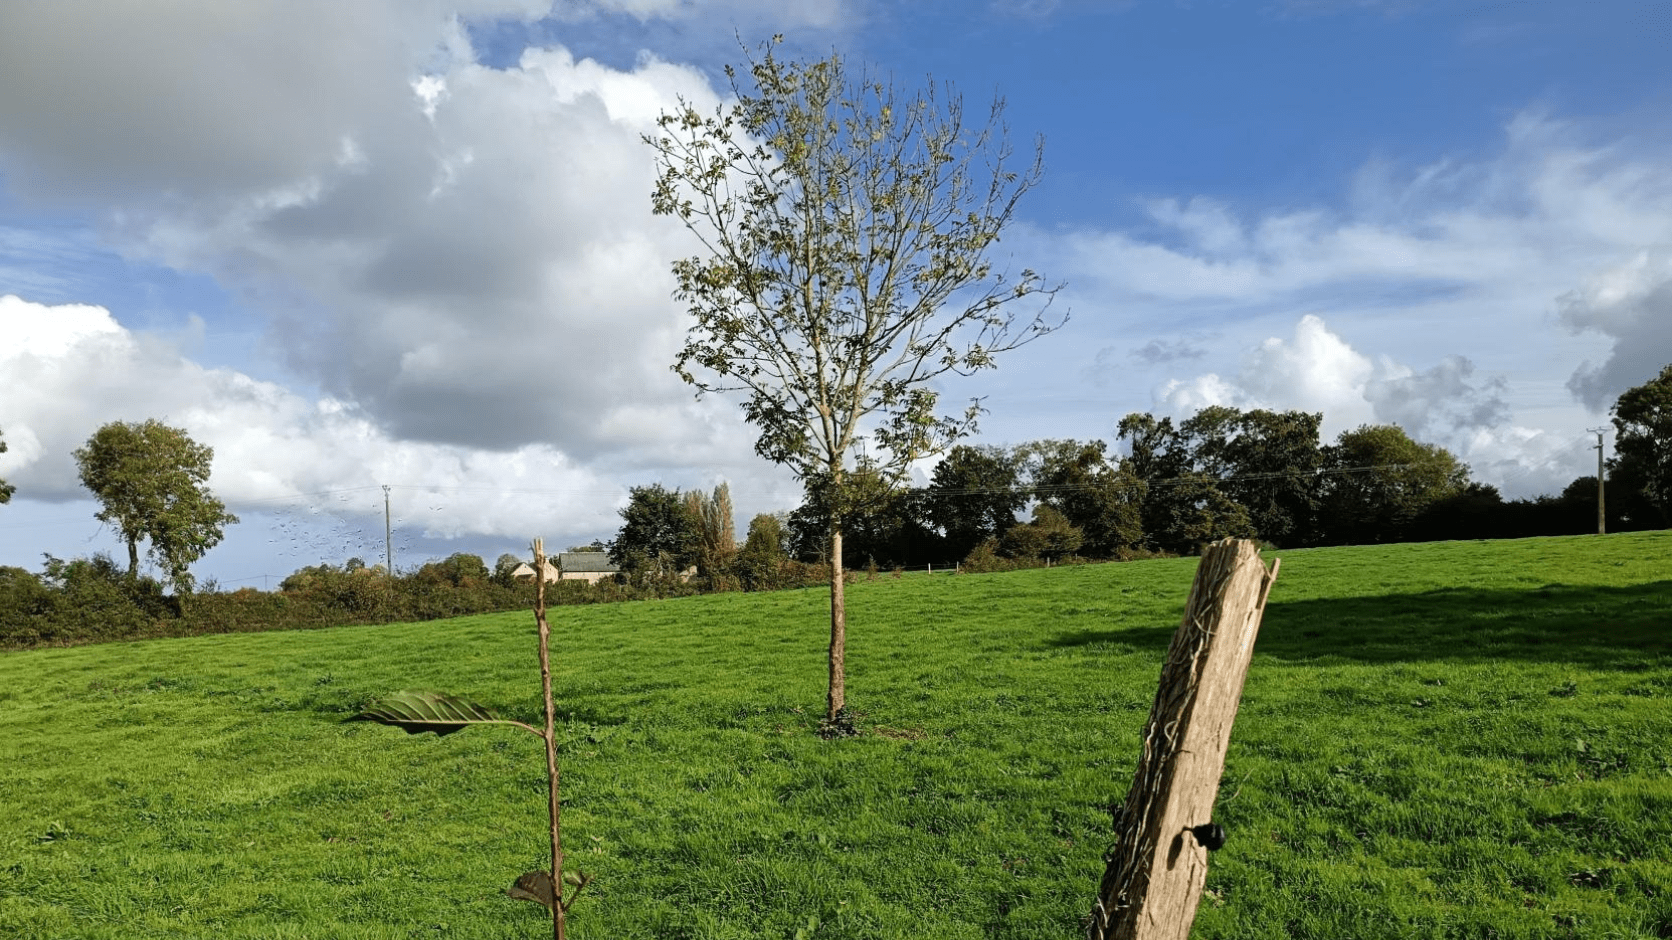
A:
x: 86, y: 600
x: 1225, y: 472
x: 1221, y: 472
x: 676, y: 542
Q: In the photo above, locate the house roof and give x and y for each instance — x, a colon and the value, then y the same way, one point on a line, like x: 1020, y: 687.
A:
x: 525, y: 570
x: 575, y: 562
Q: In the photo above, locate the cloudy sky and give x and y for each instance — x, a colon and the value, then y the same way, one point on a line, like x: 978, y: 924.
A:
x: 408, y: 243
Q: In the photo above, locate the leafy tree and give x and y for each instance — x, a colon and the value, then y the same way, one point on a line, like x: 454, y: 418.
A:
x: 1049, y: 536
x: 502, y: 568
x: 1477, y: 511
x: 1379, y: 481
x: 1265, y: 462
x: 1642, y: 462
x: 1099, y: 498
x: 26, y: 607
x: 1203, y: 437
x: 974, y: 495
x: 95, y: 592
x: 715, y: 536
x: 761, y: 560
x: 1190, y: 511
x: 460, y: 570
x: 893, y: 532
x: 658, y: 535
x: 1182, y: 508
x: 881, y: 523
x: 1158, y: 451
x: 6, y: 489
x: 845, y: 231
x: 1271, y: 461
x: 152, y: 480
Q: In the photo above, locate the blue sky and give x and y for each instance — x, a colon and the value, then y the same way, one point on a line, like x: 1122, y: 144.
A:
x: 409, y: 243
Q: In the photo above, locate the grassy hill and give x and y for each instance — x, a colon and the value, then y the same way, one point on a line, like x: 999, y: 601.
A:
x: 1447, y: 740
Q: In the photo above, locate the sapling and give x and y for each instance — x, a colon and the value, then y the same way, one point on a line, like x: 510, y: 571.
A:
x: 419, y: 712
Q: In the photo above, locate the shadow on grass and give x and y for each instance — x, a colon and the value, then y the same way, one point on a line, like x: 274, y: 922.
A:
x: 1603, y: 627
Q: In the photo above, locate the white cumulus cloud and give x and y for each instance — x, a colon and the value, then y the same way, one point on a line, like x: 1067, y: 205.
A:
x: 76, y: 369
x: 1316, y: 370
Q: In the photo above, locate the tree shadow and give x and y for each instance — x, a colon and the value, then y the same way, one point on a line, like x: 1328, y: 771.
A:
x: 1601, y: 627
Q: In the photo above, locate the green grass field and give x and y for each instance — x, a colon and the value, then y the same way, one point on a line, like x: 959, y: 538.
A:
x: 1452, y: 740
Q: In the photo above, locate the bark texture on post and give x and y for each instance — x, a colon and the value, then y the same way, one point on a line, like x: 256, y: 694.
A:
x: 1155, y: 873
x: 837, y: 698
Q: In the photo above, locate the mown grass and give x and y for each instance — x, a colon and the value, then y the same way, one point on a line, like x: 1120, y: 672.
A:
x: 1449, y: 740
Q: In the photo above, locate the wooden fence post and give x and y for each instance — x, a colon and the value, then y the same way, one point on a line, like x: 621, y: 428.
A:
x: 1155, y: 873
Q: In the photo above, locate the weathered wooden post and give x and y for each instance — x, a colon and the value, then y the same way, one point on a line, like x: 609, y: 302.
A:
x: 1155, y: 873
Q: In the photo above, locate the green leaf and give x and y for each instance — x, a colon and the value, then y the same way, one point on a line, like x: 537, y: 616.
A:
x: 418, y: 712
x: 533, y: 886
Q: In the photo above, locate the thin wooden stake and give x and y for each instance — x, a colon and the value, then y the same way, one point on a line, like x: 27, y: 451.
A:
x: 550, y: 735
x: 1154, y: 875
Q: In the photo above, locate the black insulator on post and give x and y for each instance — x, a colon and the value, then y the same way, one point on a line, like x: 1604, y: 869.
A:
x: 1211, y: 835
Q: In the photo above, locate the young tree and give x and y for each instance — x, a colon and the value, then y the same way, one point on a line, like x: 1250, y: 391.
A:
x: 153, y: 482
x: 846, y: 231
x: 1643, y: 449
x: 6, y: 489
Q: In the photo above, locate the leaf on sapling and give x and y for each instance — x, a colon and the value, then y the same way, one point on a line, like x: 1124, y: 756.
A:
x: 418, y: 712
x: 533, y: 886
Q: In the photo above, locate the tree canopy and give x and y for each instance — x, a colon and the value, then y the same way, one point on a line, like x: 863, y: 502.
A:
x: 1101, y: 498
x: 715, y: 536
x: 1380, y: 481
x: 974, y: 495
x: 845, y: 231
x: 762, y: 556
x: 1183, y: 507
x: 152, y: 481
x: 1270, y: 462
x: 658, y: 536
x: 1643, y: 446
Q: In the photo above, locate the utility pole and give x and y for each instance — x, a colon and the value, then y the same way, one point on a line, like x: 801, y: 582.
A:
x: 388, y: 542
x: 1602, y: 513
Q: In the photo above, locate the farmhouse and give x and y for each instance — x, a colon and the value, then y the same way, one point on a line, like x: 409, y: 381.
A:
x: 526, y: 571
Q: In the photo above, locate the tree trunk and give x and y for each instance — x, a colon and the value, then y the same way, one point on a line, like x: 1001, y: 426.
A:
x: 133, y: 558
x: 838, y: 625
